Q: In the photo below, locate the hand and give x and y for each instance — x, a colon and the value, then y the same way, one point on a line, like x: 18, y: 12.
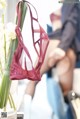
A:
x: 56, y: 55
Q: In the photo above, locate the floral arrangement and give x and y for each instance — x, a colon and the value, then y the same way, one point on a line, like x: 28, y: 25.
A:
x: 7, y: 47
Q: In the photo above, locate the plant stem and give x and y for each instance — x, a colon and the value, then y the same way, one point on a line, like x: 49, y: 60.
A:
x: 1, y: 72
x: 12, y: 101
x: 4, y: 108
x: 5, y: 49
x: 3, y: 18
x: 6, y: 82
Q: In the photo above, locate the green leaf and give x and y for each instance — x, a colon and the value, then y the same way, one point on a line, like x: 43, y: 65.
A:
x: 6, y: 82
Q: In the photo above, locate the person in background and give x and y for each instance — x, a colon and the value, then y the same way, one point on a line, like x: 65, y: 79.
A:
x: 55, y: 19
x: 62, y: 49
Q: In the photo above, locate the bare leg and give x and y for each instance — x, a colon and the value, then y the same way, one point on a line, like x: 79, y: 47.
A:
x: 45, y: 67
x: 65, y: 69
x: 30, y: 89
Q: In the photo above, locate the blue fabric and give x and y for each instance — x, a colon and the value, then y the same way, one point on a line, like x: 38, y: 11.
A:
x: 77, y: 64
x: 61, y: 110
x: 56, y: 99
x: 55, y: 96
x: 69, y: 113
x: 49, y: 29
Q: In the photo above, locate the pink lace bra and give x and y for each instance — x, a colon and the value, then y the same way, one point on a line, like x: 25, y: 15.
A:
x: 17, y: 72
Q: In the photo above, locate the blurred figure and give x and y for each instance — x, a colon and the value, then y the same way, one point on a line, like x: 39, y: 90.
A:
x: 62, y: 51
x: 56, y: 23
x: 63, y: 48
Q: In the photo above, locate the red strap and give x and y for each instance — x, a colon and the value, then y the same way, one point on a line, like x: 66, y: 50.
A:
x: 20, y: 40
x: 41, y: 31
x: 17, y: 72
x: 18, y: 15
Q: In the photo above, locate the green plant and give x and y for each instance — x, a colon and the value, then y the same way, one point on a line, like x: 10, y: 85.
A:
x: 7, y: 47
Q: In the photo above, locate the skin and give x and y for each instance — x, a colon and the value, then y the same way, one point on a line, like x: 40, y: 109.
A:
x: 64, y: 61
x: 64, y: 65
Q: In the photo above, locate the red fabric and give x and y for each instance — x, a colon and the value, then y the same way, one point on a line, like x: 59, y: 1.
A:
x: 16, y: 70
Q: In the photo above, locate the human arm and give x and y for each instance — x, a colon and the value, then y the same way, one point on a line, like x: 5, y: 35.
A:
x: 69, y: 28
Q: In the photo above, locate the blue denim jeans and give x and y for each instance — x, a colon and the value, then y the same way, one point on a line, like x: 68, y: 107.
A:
x: 56, y: 99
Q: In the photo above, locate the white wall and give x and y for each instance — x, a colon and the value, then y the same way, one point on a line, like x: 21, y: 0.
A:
x: 11, y: 9
x: 43, y: 7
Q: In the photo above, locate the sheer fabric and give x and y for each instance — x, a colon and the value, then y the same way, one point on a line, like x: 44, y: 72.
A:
x: 17, y: 72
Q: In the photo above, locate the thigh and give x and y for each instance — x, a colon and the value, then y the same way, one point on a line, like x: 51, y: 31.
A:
x: 52, y: 45
x: 67, y: 66
x: 67, y: 63
x: 72, y: 57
